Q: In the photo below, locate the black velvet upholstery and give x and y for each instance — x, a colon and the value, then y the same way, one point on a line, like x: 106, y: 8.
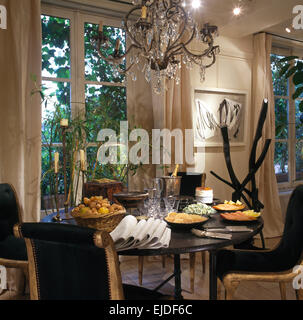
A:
x: 69, y: 265
x: 10, y: 247
x: 284, y: 257
x: 13, y: 248
x: 8, y: 211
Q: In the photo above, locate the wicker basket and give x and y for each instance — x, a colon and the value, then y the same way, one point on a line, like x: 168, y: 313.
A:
x: 107, y: 222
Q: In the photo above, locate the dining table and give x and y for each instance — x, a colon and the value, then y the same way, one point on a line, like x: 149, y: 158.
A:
x: 184, y: 241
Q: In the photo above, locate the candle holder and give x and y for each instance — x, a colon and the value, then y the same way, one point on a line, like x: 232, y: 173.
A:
x: 57, y: 217
x: 83, y: 179
x: 64, y: 127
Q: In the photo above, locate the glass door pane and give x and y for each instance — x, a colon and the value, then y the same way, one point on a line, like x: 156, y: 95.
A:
x: 281, y: 161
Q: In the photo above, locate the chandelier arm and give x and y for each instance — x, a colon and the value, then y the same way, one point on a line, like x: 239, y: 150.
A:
x: 126, y: 26
x: 213, y: 61
x: 114, y: 59
x: 127, y: 69
x: 183, y: 29
x: 206, y: 52
x: 181, y: 45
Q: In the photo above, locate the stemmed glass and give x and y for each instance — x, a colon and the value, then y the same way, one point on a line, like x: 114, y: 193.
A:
x: 152, y: 203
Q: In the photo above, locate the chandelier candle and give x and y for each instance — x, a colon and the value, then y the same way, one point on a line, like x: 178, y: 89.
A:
x: 144, y: 12
x: 101, y: 26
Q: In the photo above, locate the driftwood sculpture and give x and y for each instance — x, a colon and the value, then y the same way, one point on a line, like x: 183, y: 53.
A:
x: 240, y: 189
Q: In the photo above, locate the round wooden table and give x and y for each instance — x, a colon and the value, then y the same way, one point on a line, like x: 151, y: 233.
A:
x: 186, y: 242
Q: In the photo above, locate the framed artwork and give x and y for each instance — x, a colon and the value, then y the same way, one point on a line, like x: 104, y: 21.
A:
x: 214, y: 108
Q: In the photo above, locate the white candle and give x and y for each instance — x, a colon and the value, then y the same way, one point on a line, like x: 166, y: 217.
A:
x: 82, y: 161
x: 64, y: 122
x: 56, y: 161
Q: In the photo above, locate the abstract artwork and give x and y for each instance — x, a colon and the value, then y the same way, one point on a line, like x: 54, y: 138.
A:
x: 216, y: 109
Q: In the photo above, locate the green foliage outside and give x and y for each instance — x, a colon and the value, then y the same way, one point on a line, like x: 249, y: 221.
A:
x: 285, y: 69
x: 105, y: 105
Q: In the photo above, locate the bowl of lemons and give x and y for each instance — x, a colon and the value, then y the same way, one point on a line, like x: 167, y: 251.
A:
x: 98, y: 213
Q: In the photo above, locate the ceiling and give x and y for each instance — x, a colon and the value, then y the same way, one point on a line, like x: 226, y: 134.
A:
x: 257, y: 15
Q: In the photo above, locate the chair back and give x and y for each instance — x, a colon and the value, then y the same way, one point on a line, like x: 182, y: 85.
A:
x: 290, y: 247
x: 68, y: 262
x: 9, y: 210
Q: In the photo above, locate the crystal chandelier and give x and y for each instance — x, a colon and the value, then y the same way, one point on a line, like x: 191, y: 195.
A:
x: 160, y: 38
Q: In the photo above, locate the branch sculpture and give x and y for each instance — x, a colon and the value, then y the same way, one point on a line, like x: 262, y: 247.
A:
x: 254, y: 165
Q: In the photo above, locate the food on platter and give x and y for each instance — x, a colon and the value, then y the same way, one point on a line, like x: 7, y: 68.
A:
x: 95, y: 207
x: 175, y: 217
x: 230, y: 206
x: 199, y: 208
x: 237, y: 203
x: 252, y: 213
x: 205, y: 195
x: 249, y: 215
x: 104, y: 180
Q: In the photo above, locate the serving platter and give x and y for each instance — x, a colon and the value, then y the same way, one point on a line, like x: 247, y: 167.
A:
x: 237, y: 217
x: 185, y: 226
x: 225, y: 207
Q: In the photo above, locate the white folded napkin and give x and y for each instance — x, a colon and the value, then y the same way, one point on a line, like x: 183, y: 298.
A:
x: 123, y: 230
x: 145, y: 234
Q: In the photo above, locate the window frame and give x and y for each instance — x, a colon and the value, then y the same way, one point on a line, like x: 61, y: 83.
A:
x: 77, y: 64
x: 77, y: 78
x: 291, y: 140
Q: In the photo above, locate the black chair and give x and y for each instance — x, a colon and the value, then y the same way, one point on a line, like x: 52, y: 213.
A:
x: 68, y: 262
x: 270, y: 265
x: 12, y: 250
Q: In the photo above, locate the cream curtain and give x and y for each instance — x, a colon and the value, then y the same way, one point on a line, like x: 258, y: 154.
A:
x: 140, y: 115
x: 173, y: 110
x: 20, y: 113
x: 178, y: 107
x: 266, y: 181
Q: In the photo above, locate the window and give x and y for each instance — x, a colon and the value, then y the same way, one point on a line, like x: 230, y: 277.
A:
x: 79, y: 86
x: 289, y: 130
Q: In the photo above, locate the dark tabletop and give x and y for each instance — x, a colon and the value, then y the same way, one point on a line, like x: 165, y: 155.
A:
x: 185, y: 242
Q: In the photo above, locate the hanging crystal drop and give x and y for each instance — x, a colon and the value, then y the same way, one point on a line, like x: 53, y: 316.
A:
x: 133, y: 76
x: 147, y: 73
x: 202, y: 73
x: 125, y: 80
x: 149, y: 36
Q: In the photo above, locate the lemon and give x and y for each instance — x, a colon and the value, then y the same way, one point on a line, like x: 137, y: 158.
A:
x: 103, y: 210
x: 252, y: 213
x: 84, y: 210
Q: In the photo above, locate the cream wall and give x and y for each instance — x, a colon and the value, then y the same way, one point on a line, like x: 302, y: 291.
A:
x: 232, y: 71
